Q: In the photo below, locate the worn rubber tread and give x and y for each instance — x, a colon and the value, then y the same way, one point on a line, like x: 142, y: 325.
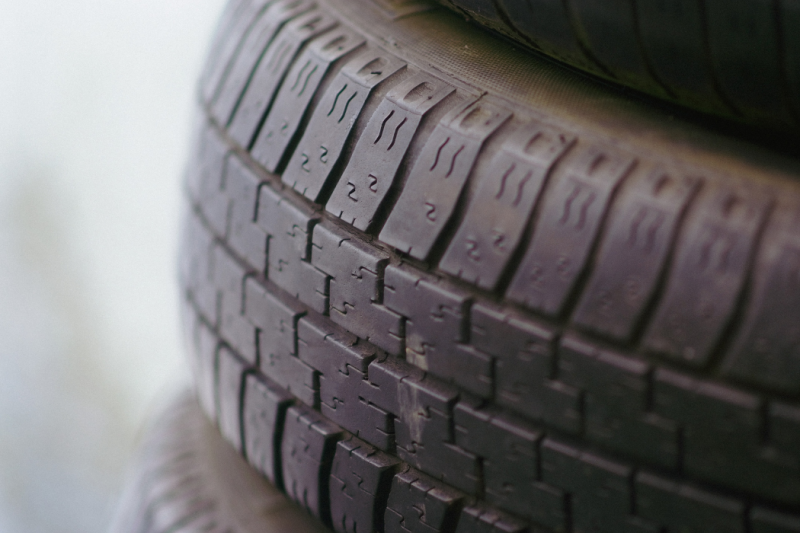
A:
x: 564, y: 466
x: 390, y: 330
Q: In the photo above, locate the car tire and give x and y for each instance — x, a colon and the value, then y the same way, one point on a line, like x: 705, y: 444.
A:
x: 490, y: 293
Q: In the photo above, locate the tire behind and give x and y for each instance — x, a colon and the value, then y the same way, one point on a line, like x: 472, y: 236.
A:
x: 188, y: 479
x: 736, y: 58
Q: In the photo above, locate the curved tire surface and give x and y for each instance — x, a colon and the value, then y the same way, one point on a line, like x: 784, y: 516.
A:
x: 433, y: 284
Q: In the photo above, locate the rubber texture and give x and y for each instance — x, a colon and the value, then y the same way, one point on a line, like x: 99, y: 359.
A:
x: 422, y: 296
x: 738, y: 58
x: 187, y: 479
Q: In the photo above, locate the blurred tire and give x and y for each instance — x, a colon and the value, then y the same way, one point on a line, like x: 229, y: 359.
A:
x: 188, y: 479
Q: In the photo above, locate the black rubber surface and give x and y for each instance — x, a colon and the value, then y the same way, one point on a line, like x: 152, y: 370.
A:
x: 738, y: 58
x: 458, y: 289
x: 188, y: 479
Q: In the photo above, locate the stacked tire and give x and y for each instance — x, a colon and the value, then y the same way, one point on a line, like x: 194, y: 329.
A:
x: 435, y: 282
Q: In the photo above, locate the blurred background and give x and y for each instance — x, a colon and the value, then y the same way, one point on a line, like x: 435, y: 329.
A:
x: 95, y: 108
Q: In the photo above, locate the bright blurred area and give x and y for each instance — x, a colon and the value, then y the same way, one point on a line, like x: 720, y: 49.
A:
x: 95, y: 107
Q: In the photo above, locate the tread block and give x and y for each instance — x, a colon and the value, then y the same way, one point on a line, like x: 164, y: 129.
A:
x: 327, y: 132
x: 524, y: 354
x: 766, y: 350
x: 616, y: 391
x: 600, y: 492
x: 228, y: 45
x: 423, y: 434
x: 684, y: 508
x: 276, y: 320
x: 710, y: 267
x: 419, y: 504
x: 508, y: 448
x: 342, y: 363
x: 722, y: 436
x: 435, y: 322
x: 356, y: 286
x: 423, y: 209
x: 549, y: 507
x: 230, y: 380
x: 307, y: 450
x: 768, y: 521
x: 277, y: 343
x: 294, y: 97
x: 263, y: 415
x: 384, y: 378
x: 330, y: 349
x: 234, y: 326
x: 245, y: 106
x: 502, y: 204
x: 232, y: 76
x: 289, y: 250
x: 711, y: 413
x: 477, y: 518
x: 361, y: 477
x: 309, y: 23
x: 632, y: 256
x: 245, y: 237
x: 379, y: 151
x: 562, y: 404
x: 567, y: 228
x: 376, y: 425
x: 422, y: 410
x: 475, y: 371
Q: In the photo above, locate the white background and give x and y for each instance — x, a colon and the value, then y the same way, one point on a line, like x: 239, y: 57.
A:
x: 95, y: 104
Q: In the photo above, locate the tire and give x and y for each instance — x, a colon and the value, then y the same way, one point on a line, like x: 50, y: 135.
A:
x: 737, y: 58
x: 434, y: 284
x: 188, y: 479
